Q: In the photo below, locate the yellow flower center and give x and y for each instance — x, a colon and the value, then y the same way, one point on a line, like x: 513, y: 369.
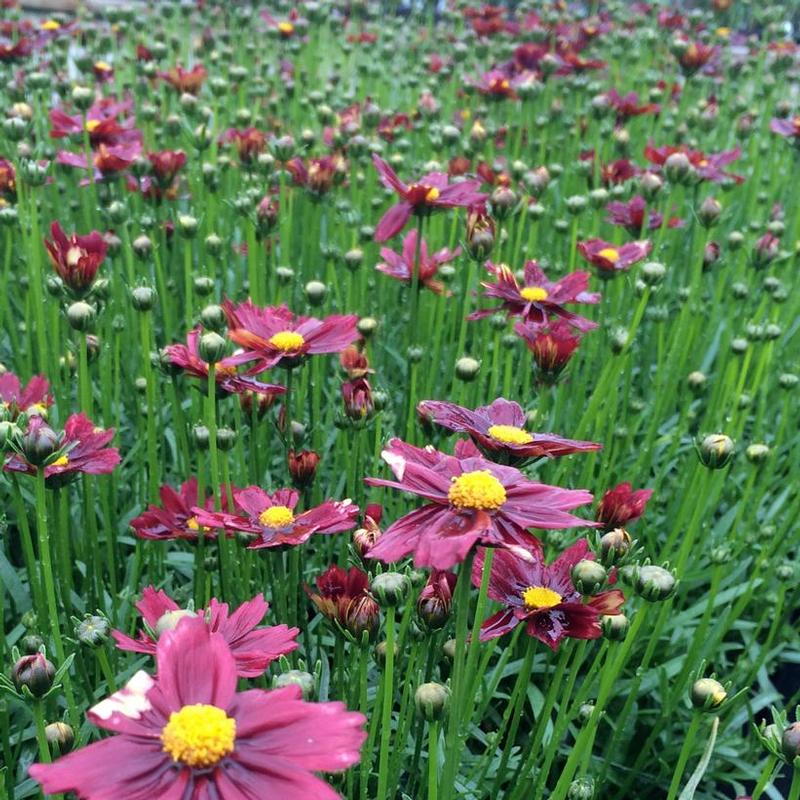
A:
x: 609, y: 254
x: 479, y: 490
x: 286, y: 341
x: 193, y: 525
x: 431, y: 194
x: 199, y: 735
x: 103, y: 66
x: 61, y: 461
x: 534, y: 294
x: 91, y: 124
x: 510, y: 434
x: 286, y: 27
x: 540, y: 597
x: 276, y: 517
x: 50, y: 25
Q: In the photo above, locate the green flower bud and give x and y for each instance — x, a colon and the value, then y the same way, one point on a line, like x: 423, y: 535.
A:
x: 60, y: 737
x: 467, y: 369
x: 212, y: 347
x: 390, y: 588
x: 615, y: 626
x: 716, y: 450
x: 588, y: 576
x: 707, y: 694
x: 213, y: 318
x: 296, y: 677
x: 655, y: 583
x: 143, y: 298
x: 431, y: 700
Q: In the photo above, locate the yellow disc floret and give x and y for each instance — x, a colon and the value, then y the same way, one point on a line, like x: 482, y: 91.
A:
x: 431, y: 194
x: 510, y: 434
x: 276, y: 516
x: 199, y: 735
x: 91, y: 124
x: 479, y: 490
x: 534, y: 294
x: 286, y: 28
x: 61, y: 461
x: 540, y: 597
x: 609, y: 254
x: 286, y: 341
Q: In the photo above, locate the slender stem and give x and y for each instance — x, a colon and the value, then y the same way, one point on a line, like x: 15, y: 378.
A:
x: 433, y: 760
x: 386, y: 715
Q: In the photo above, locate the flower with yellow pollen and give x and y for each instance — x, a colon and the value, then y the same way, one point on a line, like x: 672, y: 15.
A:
x: 276, y: 517
x: 478, y: 490
x: 103, y: 66
x: 534, y: 294
x: 510, y: 434
x: 193, y: 525
x: 91, y: 125
x: 287, y: 341
x: 286, y: 28
x: 609, y: 254
x: 536, y: 597
x: 199, y: 735
x: 50, y: 25
x: 61, y: 461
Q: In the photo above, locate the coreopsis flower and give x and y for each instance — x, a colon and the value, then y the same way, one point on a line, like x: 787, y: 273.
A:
x: 436, y: 599
x: 187, y: 81
x: 470, y: 501
x: 499, y: 430
x: 627, y: 105
x: 33, y: 398
x: 75, y: 258
x: 343, y: 598
x: 8, y: 179
x: 355, y: 362
x: 21, y: 49
x: 552, y: 348
x: 788, y: 128
x: 631, y: 216
x: 302, y: 467
x: 249, y: 142
x: 609, y: 258
x: 319, y: 175
x: 707, y: 166
x: 286, y: 28
x: 273, y: 334
x: 106, y: 159
x: 495, y: 84
x: 695, y: 55
x: 104, y: 122
x: 188, y: 733
x: 357, y: 399
x: 613, y: 172
x: 539, y: 297
x: 165, y: 165
x: 228, y: 379
x: 272, y: 520
x: 487, y: 20
x: 174, y: 518
x: 253, y: 648
x: 622, y: 505
x: 401, y: 266
x: 83, y: 448
x: 542, y: 597
x: 431, y: 193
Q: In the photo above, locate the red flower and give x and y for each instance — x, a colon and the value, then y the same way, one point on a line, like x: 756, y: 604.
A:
x: 436, y: 599
x: 630, y: 216
x: 8, y: 178
x: 273, y: 334
x: 344, y: 599
x: 539, y: 297
x: 431, y: 193
x: 621, y: 505
x: 187, y: 356
x: 249, y: 142
x: 400, y: 266
x: 271, y: 517
x: 83, y: 449
x: 188, y: 733
x: 542, y: 596
x: 628, y: 105
x: 185, y: 80
x: 495, y: 84
x: 253, y: 649
x: 320, y: 174
x: 707, y: 166
x: 551, y: 349
x: 354, y: 362
x: 470, y: 501
x: 166, y: 165
x: 609, y: 259
x: 357, y: 399
x: 17, y: 51
x: 695, y: 56
x: 102, y: 122
x: 35, y: 397
x: 175, y: 518
x: 75, y: 258
x: 499, y: 430
x: 107, y: 159
x: 302, y: 467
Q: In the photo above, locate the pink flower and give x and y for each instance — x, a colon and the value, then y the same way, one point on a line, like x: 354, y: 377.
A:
x: 189, y: 734
x: 610, y: 258
x: 400, y: 266
x: 253, y: 649
x: 16, y: 400
x: 621, y: 505
x: 631, y: 216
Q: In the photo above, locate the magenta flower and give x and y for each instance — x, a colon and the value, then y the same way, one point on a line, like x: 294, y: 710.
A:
x: 628, y: 105
x: 253, y: 649
x: 272, y: 519
x: 496, y: 85
x: 34, y: 397
x: 189, y: 734
x: 273, y: 335
x: 470, y: 501
x: 400, y: 266
x: 551, y: 348
x: 541, y: 596
x: 708, y: 166
x: 499, y: 430
x: 631, y: 216
x: 187, y: 356
x: 622, y: 504
x: 788, y: 128
x: 102, y: 123
x: 431, y: 193
x: 610, y: 258
x: 539, y: 297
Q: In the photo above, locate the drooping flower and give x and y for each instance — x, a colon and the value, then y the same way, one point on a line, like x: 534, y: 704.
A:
x: 253, y: 648
x: 470, y: 501
x: 188, y: 733
x: 610, y: 258
x: 552, y: 348
x: 400, y: 266
x: 627, y: 105
x: 103, y: 122
x: 541, y: 596
x: 499, y: 430
x: 631, y: 216
x: 105, y: 160
x: 187, y: 81
x: 539, y: 297
x: 431, y: 193
x: 343, y: 598
x: 34, y: 396
x: 273, y: 334
x: 272, y: 520
x: 75, y: 258
x: 226, y: 374
x: 622, y: 504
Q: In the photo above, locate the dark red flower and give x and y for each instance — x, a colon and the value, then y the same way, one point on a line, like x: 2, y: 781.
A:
x: 249, y: 142
x: 539, y: 297
x: 302, y: 467
x: 628, y: 105
x: 541, y: 596
x: 400, y: 266
x: 695, y: 55
x: 610, y: 258
x: 499, y: 429
x: 185, y: 80
x: 319, y: 175
x: 357, y: 399
x: 495, y: 84
x: 551, y: 349
x: 104, y: 122
x: 272, y: 520
x: 621, y: 505
x: 631, y: 216
x: 8, y: 178
x: 75, y: 258
x: 354, y: 362
x: 106, y: 159
x: 34, y: 398
x: 436, y: 599
x: 707, y: 166
x: 187, y: 733
x: 431, y: 193
x: 470, y: 501
x: 343, y: 598
x: 166, y: 164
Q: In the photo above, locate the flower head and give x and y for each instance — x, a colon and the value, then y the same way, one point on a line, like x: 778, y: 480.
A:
x: 34, y: 396
x: 707, y: 166
x: 187, y: 81
x: 552, y: 348
x: 631, y: 216
x: 610, y: 258
x: 75, y: 258
x: 622, y: 504
x: 400, y: 266
x: 343, y: 598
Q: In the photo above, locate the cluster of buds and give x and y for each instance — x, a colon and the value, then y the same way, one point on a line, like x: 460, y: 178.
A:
x: 359, y: 405
x: 343, y: 598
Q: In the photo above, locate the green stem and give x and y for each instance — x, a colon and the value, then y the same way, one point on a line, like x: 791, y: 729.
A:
x: 386, y: 714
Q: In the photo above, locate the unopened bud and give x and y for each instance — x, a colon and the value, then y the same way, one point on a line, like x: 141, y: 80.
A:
x: 707, y: 694
x: 431, y: 700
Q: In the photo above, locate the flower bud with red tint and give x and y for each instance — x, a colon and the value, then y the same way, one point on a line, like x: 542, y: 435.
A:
x: 266, y: 215
x: 75, y: 258
x: 365, y: 537
x: 622, y: 505
x: 40, y: 442
x: 551, y: 349
x: 302, y: 467
x: 354, y: 362
x: 765, y: 251
x: 34, y: 672
x: 480, y: 237
x: 357, y: 397
x: 343, y: 598
x: 435, y: 600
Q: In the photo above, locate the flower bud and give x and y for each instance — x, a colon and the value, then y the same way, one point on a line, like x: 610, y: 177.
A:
x: 203, y: 285
x: 31, y: 643
x: 504, y: 201
x: 615, y: 627
x: 614, y: 545
x: 696, y: 381
x: 81, y: 316
x: 302, y: 467
x: 226, y: 439
x: 757, y: 453
x: 143, y: 298
x: 678, y: 168
x: 467, y: 369
x: 390, y: 588
x: 790, y: 741
x: 212, y: 347
x: 142, y: 246
x: 380, y: 652
x: 588, y: 576
x: 581, y: 789
x: 716, y: 450
x: 367, y: 326
x: 92, y: 630
x: 655, y: 583
x: 39, y: 443
x: 707, y: 693
x: 709, y: 212
x: 431, y: 700
x: 60, y: 737
x: 187, y: 226
x: 213, y: 318
x: 35, y: 673
x: 435, y: 600
x: 296, y: 677
x: 169, y: 621
x: 316, y: 292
